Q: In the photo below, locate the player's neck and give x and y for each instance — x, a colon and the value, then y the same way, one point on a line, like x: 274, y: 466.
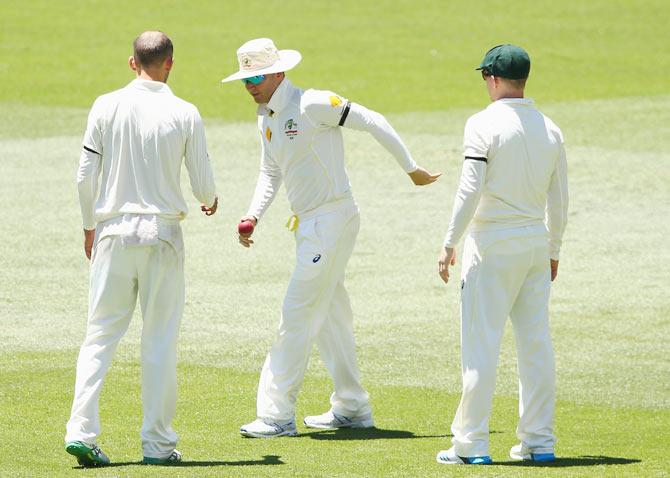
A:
x: 152, y: 75
x: 508, y: 94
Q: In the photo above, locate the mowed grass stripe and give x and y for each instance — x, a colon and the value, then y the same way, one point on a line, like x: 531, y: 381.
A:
x: 412, y: 425
x: 395, y: 55
x: 606, y: 320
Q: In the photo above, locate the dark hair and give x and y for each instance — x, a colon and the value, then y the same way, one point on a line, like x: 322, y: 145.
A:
x: 152, y: 48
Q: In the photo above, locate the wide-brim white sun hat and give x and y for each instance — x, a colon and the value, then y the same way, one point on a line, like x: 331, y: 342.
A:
x: 261, y: 57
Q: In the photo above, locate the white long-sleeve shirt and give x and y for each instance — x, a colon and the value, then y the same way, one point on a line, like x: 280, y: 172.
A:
x: 301, y: 145
x: 514, y: 173
x: 135, y: 139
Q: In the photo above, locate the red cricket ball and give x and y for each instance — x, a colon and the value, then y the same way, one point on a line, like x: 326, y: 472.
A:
x: 245, y: 227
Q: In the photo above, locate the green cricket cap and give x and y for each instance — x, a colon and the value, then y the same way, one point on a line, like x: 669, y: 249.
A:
x: 506, y: 61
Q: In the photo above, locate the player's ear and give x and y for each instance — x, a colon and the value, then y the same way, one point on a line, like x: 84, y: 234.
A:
x: 131, y: 63
x: 169, y: 63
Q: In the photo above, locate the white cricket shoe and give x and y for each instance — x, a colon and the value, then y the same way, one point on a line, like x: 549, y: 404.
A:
x: 522, y: 453
x: 268, y: 429
x: 331, y: 420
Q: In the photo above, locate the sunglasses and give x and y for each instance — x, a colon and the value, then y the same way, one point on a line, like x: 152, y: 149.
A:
x: 254, y: 80
x: 486, y: 73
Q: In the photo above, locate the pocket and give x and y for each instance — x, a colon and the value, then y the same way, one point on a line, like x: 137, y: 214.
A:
x: 97, y: 243
x: 330, y: 228
x: 470, y: 259
x: 172, y: 234
x: 311, y: 255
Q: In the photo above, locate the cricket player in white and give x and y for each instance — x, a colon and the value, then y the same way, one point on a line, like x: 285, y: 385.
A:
x: 301, y: 144
x: 513, y: 193
x: 135, y: 140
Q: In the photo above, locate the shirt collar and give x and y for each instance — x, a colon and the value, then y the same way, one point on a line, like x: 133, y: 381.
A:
x: 516, y: 101
x: 150, y: 85
x: 280, y: 98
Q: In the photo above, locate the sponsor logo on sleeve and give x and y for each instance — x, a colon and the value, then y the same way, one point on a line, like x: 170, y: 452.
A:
x: 268, y: 133
x: 335, y: 100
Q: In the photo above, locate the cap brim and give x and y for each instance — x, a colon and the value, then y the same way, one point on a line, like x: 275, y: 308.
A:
x: 288, y: 59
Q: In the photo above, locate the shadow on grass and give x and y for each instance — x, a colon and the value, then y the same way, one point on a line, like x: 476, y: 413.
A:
x: 565, y: 462
x: 366, y: 434
x: 370, y: 434
x: 267, y: 460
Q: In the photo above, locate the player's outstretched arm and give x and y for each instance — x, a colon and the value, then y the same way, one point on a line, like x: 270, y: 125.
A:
x: 364, y: 119
x: 330, y: 110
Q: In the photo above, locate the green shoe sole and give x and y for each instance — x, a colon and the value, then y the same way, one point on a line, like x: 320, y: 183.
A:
x: 86, y: 455
x: 173, y: 459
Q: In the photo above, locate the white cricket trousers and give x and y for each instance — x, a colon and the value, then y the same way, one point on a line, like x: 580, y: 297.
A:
x: 118, y: 275
x: 316, y: 308
x: 505, y: 273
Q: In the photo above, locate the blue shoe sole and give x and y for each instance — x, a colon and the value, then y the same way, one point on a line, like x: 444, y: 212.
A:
x: 480, y: 460
x: 543, y: 457
x: 477, y: 460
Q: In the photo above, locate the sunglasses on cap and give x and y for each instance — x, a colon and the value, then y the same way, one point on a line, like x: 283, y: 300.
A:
x: 486, y: 73
x: 254, y: 80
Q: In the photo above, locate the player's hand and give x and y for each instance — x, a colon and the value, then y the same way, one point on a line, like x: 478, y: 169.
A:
x: 554, y: 269
x: 89, y: 237
x: 209, y: 211
x: 421, y: 177
x: 245, y: 239
x: 447, y: 258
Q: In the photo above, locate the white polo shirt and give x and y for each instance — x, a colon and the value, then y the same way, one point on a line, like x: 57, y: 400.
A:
x: 514, y: 174
x: 301, y: 145
x: 136, y: 137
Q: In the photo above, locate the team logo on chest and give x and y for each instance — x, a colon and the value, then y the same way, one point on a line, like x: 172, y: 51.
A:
x: 291, y: 129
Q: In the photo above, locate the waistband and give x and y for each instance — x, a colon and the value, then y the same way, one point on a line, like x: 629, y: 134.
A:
x: 342, y: 203
x: 512, y: 231
x: 118, y: 220
x: 122, y: 225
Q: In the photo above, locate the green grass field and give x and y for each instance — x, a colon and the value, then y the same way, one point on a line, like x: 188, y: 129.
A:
x: 598, y: 71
